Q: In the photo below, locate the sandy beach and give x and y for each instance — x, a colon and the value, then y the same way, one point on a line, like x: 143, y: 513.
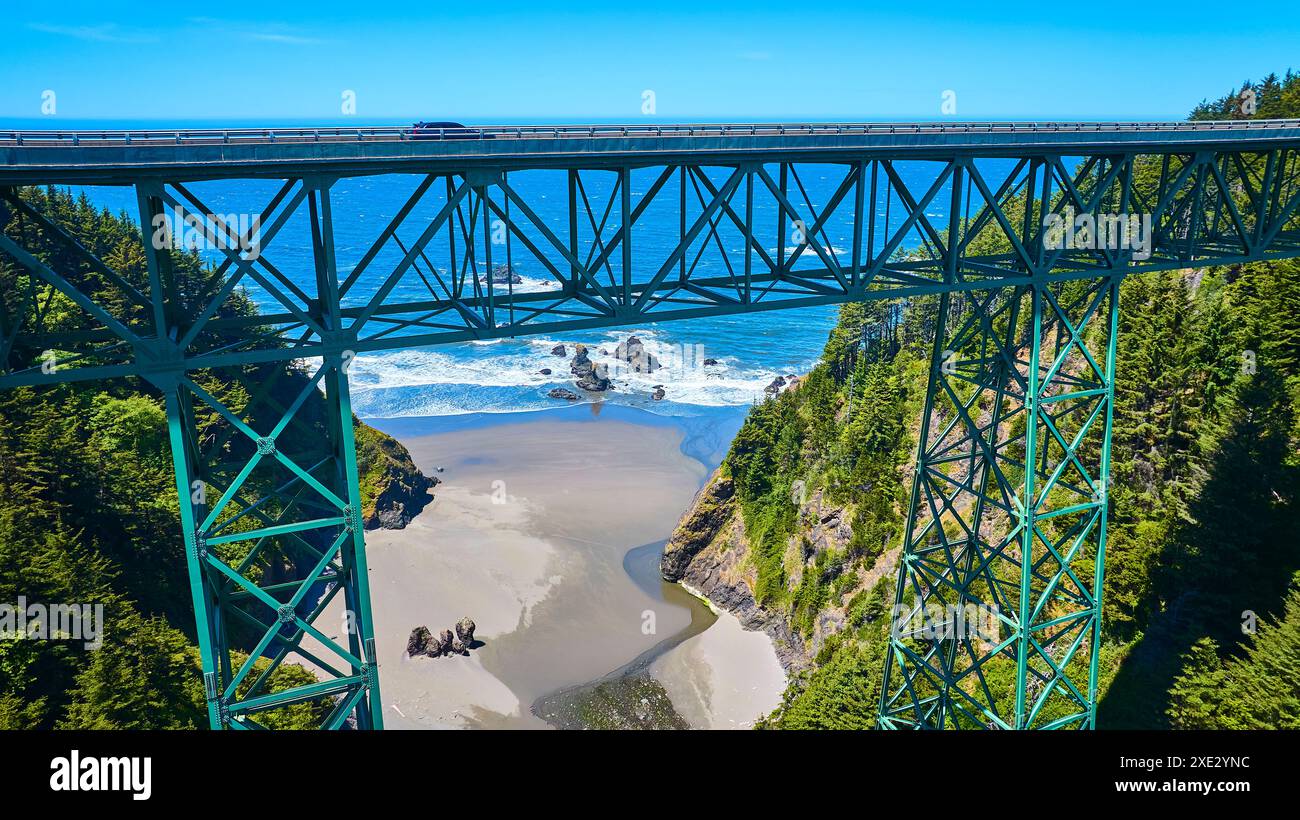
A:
x: 528, y: 536
x: 726, y: 677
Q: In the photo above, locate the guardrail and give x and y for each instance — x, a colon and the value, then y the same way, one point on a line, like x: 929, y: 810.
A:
x: 237, y: 136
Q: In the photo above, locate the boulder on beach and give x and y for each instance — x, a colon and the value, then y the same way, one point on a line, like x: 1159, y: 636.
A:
x: 561, y: 393
x: 445, y: 640
x: 559, y: 350
x: 659, y: 393
x: 418, y: 643
x: 445, y: 643
x: 465, y: 631
x: 545, y: 371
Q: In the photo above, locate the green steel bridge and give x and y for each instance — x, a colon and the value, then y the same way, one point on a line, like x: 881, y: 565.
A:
x: 1009, y: 500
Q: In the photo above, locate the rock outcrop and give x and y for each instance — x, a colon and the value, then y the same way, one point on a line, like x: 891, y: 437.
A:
x: 712, y: 508
x: 392, y: 488
x: 591, y: 376
x: 445, y: 643
x: 638, y: 359
x: 501, y: 275
x: 561, y: 393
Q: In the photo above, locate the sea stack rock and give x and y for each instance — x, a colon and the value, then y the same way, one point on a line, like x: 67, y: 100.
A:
x: 501, y: 275
x: 559, y: 350
x: 581, y: 364
x: 638, y: 358
x: 591, y: 376
x: 595, y: 381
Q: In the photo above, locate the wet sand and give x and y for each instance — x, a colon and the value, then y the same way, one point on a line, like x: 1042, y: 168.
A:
x: 723, y: 678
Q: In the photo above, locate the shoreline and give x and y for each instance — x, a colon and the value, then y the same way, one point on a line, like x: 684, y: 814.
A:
x: 531, y: 534
x: 714, y: 608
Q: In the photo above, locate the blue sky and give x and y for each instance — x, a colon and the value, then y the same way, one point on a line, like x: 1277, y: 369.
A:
x: 509, y: 61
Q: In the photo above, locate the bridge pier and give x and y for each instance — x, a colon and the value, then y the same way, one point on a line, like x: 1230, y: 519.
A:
x: 270, y: 506
x: 997, y: 612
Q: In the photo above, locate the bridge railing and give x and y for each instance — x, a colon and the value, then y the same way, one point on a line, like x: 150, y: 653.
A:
x: 401, y: 133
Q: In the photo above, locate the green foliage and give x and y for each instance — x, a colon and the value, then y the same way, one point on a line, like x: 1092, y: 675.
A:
x: 844, y: 433
x: 1257, y: 689
x: 1274, y: 99
x: 842, y: 690
x: 89, y: 513
x: 108, y: 693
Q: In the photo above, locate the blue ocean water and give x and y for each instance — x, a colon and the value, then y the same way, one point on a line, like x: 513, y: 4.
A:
x: 505, y: 375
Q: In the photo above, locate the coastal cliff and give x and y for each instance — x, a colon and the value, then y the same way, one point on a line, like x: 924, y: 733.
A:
x: 797, y: 532
x: 709, y: 553
x: 393, y: 490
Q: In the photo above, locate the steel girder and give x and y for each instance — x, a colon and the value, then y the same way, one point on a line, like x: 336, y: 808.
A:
x: 1004, y: 549
x: 272, y: 518
x: 282, y: 535
x: 423, y: 278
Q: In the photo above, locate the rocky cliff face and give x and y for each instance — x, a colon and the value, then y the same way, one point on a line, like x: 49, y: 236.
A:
x: 798, y: 531
x: 710, y: 553
x: 393, y: 490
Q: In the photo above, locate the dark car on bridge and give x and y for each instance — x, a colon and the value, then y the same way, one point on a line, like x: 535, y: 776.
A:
x: 443, y: 131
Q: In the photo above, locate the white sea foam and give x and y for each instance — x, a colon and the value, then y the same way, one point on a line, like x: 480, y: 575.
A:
x: 505, y: 376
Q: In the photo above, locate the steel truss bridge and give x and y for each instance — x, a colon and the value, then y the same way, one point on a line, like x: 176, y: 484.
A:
x: 1009, y: 501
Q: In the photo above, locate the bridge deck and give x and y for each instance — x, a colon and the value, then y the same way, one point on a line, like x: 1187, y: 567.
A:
x: 116, y: 156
